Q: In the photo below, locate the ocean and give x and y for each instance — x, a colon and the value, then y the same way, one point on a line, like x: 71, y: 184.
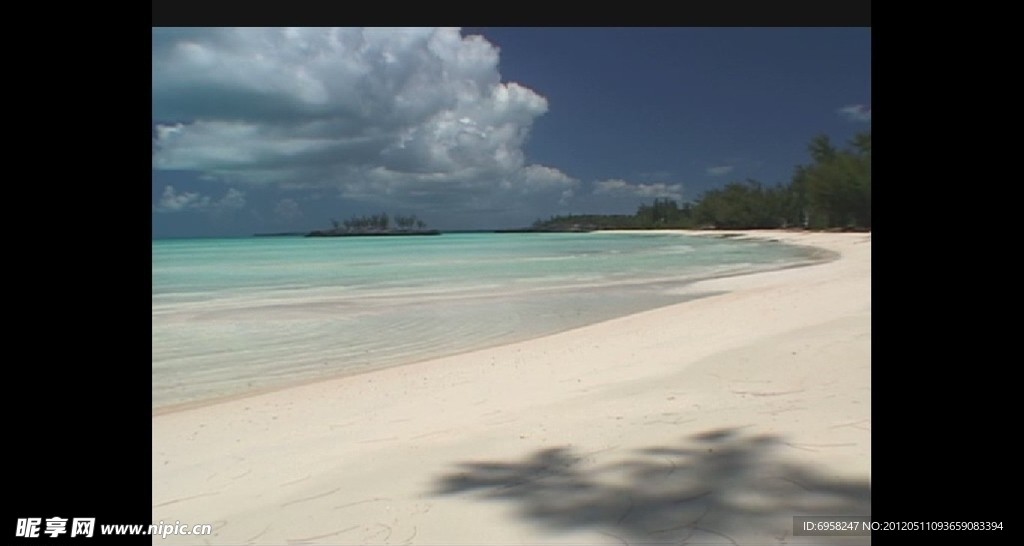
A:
x: 236, y: 315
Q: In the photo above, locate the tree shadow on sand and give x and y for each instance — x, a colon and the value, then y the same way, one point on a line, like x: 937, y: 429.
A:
x: 719, y: 487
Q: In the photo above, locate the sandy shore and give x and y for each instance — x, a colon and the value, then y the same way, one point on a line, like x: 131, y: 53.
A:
x: 712, y: 421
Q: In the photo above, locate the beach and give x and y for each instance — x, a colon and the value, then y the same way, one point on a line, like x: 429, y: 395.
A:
x: 715, y: 420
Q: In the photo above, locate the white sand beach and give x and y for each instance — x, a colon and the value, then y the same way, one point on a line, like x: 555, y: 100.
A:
x: 713, y: 421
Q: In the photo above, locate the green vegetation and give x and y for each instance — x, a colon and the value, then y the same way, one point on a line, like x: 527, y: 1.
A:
x: 833, y: 192
x: 748, y: 205
x: 376, y: 224
x: 663, y: 213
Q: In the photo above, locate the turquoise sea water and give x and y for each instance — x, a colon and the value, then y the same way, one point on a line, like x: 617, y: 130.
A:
x: 231, y: 315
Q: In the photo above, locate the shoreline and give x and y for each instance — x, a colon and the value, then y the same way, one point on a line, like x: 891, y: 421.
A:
x: 545, y: 440
x: 818, y: 254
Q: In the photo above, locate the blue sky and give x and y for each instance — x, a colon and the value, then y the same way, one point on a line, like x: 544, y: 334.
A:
x: 266, y: 130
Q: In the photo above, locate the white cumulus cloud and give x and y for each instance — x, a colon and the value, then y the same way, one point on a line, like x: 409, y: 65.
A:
x: 395, y: 114
x: 855, y: 112
x: 621, y: 187
x: 720, y: 170
x: 174, y: 201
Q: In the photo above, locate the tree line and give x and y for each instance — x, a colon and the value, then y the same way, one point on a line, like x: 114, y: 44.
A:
x: 380, y: 221
x: 831, y: 192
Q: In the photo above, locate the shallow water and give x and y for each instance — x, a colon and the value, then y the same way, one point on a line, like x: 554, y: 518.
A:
x: 231, y: 315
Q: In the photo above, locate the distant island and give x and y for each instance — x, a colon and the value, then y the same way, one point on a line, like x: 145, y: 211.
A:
x: 376, y: 225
